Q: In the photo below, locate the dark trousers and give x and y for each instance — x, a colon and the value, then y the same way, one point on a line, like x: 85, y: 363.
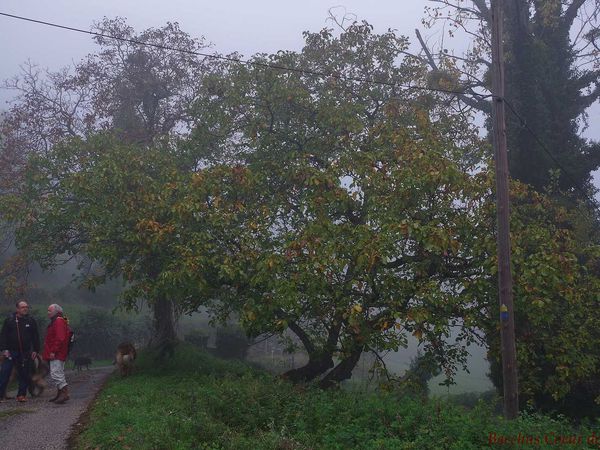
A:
x: 16, y: 358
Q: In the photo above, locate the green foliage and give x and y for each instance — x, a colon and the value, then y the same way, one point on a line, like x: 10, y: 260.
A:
x: 99, y: 332
x: 197, y: 401
x: 197, y: 338
x: 415, y: 381
x: 343, y: 211
x: 231, y: 343
x: 551, y: 77
x: 555, y: 294
x: 547, y: 81
x: 99, y: 197
x: 81, y: 165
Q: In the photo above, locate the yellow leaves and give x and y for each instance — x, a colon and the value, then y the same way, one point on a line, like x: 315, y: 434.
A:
x: 404, y: 229
x: 357, y: 309
x: 386, y: 324
x: 538, y: 302
x: 454, y: 246
x: 271, y: 262
x: 197, y: 179
x: 422, y: 117
x: 418, y: 334
x: 154, y: 229
x: 148, y: 225
x: 373, y: 259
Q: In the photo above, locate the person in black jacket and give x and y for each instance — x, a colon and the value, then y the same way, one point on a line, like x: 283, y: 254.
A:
x: 20, y: 344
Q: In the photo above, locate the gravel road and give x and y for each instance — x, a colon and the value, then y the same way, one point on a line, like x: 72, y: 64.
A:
x: 39, y: 424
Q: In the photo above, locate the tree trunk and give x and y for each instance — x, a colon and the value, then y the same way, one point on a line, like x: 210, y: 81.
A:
x: 316, y: 366
x: 165, y: 336
x: 320, y: 360
x: 343, y: 370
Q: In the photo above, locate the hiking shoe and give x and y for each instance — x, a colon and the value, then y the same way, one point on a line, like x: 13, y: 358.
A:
x: 21, y: 398
x: 56, y: 396
x: 63, y: 396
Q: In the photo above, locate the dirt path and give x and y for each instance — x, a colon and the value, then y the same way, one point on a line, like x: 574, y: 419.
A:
x: 39, y: 424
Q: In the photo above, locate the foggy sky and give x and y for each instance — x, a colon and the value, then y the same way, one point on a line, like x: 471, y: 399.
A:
x: 231, y: 25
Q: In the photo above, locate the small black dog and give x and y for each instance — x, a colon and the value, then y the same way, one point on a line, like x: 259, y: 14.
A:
x: 81, y: 361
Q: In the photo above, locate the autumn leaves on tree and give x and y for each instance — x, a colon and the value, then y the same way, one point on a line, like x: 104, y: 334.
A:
x: 351, y: 214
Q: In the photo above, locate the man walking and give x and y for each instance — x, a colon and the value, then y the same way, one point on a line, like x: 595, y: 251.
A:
x: 56, y: 348
x: 20, y: 344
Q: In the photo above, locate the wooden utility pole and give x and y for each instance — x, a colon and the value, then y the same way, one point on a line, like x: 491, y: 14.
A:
x: 507, y: 318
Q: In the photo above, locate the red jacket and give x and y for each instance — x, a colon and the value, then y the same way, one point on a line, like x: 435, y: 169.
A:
x: 57, y: 340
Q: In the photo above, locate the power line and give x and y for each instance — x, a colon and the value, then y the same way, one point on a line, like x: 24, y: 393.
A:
x: 543, y: 146
x: 315, y: 73
x: 249, y: 62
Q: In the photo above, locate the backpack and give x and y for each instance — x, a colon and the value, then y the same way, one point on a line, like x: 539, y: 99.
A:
x: 70, y: 337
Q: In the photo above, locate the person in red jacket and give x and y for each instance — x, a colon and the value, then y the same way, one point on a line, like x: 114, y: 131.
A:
x: 56, y: 347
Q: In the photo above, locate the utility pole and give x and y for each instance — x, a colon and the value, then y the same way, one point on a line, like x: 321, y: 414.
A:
x: 507, y: 317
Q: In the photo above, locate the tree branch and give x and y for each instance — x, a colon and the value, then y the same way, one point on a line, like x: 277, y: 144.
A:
x: 571, y: 13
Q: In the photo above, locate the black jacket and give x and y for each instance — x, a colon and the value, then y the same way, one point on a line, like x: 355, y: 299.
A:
x: 28, y: 330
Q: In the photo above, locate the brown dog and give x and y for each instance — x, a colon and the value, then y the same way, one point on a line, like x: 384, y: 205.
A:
x: 125, y: 357
x: 38, y: 370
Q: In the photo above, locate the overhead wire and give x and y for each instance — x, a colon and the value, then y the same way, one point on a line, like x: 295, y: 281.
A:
x: 322, y: 75
x: 247, y: 61
x: 546, y: 150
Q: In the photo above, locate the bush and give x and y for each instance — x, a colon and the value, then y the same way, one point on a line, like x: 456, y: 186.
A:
x: 196, y: 338
x: 231, y: 343
x: 98, y: 332
x: 195, y: 400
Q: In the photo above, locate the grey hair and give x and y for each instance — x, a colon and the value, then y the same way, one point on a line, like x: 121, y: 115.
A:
x: 57, y: 308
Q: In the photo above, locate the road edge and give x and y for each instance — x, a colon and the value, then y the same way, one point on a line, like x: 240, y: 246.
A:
x: 84, y: 419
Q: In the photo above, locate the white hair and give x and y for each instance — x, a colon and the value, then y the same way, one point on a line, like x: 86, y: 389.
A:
x: 56, y: 308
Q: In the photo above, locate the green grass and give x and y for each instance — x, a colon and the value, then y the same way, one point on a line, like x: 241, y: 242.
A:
x: 197, y: 401
x: 101, y: 363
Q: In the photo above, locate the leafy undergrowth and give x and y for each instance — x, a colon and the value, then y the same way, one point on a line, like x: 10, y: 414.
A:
x: 197, y: 401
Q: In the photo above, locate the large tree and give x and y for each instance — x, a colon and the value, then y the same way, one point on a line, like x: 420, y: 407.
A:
x: 140, y: 93
x: 97, y: 197
x: 362, y: 230
x: 552, y: 77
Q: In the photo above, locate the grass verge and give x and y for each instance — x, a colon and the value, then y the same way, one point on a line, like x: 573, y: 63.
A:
x: 195, y: 401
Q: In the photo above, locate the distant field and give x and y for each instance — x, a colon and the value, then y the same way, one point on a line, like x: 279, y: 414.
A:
x: 474, y: 381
